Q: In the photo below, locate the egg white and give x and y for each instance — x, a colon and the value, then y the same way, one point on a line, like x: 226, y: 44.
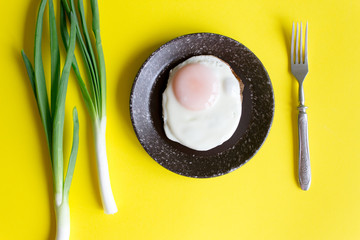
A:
x: 205, y: 129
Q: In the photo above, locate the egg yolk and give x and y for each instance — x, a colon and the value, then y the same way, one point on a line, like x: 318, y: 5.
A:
x: 196, y: 86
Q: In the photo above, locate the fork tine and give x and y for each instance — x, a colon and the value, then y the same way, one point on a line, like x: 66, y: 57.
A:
x: 301, y: 43
x: 292, y: 43
x: 306, y: 43
x: 297, y: 44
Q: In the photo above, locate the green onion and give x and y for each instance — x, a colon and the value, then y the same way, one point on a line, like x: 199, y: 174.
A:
x: 53, y: 119
x: 95, y: 97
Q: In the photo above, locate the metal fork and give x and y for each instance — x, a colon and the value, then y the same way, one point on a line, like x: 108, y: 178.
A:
x: 299, y: 68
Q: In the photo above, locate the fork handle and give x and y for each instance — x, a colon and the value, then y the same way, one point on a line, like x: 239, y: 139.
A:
x: 304, y: 156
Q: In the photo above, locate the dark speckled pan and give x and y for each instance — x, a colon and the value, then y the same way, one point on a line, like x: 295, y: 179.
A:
x: 255, y: 122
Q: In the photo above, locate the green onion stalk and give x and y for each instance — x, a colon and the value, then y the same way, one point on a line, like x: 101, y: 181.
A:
x: 53, y: 113
x: 95, y: 97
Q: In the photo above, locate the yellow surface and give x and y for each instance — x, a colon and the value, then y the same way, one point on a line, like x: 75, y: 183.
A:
x: 261, y: 200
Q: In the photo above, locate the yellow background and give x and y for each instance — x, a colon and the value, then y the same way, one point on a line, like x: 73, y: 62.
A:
x: 261, y: 200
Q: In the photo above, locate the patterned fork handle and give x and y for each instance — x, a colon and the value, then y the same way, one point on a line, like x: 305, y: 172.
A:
x: 300, y: 68
x: 304, y: 156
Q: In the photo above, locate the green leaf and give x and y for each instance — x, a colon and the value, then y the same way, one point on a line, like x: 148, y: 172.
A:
x: 88, y: 101
x: 100, y: 53
x: 58, y: 125
x: 91, y: 72
x: 65, y: 37
x: 40, y: 85
x: 87, y: 59
x: 55, y: 56
x: 73, y: 154
x: 72, y: 6
x: 93, y: 62
x: 30, y: 72
x: 63, y: 29
x: 66, y: 6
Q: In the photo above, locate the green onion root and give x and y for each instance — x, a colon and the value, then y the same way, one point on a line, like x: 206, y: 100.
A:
x: 62, y: 220
x: 107, y: 197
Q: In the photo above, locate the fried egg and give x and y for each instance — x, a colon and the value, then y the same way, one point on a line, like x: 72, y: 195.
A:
x: 202, y: 103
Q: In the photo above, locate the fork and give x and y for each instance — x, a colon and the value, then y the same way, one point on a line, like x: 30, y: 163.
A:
x: 299, y: 68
